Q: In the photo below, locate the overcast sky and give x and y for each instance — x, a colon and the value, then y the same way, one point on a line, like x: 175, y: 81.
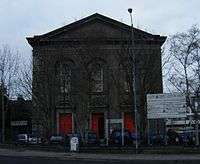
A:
x: 22, y: 18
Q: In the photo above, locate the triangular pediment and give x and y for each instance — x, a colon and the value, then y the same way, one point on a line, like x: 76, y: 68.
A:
x: 94, y: 26
x: 92, y: 29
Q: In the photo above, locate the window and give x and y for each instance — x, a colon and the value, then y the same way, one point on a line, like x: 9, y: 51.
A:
x: 124, y: 79
x: 96, y: 79
x: 126, y: 86
x: 64, y: 79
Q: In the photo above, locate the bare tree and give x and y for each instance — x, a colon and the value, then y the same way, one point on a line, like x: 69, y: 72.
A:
x: 9, y: 64
x: 196, y: 65
x: 184, y: 50
x: 185, y: 73
x: 41, y: 112
x: 25, y: 80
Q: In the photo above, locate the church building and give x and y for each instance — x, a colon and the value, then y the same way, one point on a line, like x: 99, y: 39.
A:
x: 82, y: 77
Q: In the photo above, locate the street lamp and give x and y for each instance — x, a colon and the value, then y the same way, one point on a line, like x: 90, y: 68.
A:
x: 134, y: 79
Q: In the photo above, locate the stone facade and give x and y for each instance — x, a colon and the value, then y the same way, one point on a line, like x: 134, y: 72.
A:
x: 84, y: 69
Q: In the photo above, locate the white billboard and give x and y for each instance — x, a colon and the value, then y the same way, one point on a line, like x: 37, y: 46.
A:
x: 166, y: 105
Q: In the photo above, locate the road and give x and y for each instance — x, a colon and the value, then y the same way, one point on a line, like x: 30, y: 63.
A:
x: 39, y: 160
x: 24, y: 156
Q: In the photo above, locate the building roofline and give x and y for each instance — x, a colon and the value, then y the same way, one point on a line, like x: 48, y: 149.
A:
x: 90, y: 18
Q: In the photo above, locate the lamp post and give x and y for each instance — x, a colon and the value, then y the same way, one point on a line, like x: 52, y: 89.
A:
x: 134, y: 80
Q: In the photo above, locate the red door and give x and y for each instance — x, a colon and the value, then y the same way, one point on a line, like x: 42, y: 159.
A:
x: 128, y: 122
x: 97, y: 125
x: 65, y: 123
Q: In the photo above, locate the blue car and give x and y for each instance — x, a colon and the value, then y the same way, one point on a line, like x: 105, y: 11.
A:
x: 91, y: 138
x: 157, y: 139
x: 116, y: 138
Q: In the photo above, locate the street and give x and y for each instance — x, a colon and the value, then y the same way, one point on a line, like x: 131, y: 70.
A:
x: 24, y: 156
x: 39, y: 160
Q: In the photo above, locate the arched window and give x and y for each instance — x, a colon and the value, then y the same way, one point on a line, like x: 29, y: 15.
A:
x: 64, y: 80
x: 97, y: 78
x: 125, y: 78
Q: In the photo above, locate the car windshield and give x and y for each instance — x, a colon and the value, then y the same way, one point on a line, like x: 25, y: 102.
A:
x: 56, y: 137
x: 21, y: 136
x: 32, y: 136
x: 91, y: 135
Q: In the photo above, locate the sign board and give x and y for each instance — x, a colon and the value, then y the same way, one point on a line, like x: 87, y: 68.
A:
x: 195, y: 121
x: 160, y: 106
x: 19, y: 123
x: 74, y: 144
x: 114, y: 120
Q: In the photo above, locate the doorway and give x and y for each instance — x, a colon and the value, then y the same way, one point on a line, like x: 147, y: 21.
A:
x: 97, y: 124
x: 65, y: 123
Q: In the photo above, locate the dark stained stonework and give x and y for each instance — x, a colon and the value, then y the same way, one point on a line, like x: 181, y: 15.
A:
x: 86, y: 47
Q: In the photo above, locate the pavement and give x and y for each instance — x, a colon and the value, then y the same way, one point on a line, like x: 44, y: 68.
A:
x: 87, y: 156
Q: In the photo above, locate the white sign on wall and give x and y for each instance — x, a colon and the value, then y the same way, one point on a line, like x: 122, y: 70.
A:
x: 166, y: 105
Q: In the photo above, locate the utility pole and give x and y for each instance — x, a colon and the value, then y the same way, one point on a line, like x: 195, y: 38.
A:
x: 134, y: 79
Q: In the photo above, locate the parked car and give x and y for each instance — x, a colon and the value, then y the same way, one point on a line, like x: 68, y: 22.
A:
x: 33, y: 139
x: 116, y: 138
x: 91, y: 138
x: 57, y: 139
x: 27, y: 139
x: 188, y: 138
x: 157, y: 139
x: 173, y: 137
x: 21, y: 139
